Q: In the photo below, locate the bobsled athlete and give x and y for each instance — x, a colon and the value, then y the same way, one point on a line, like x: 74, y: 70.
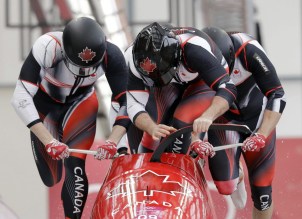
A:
x: 181, y: 76
x: 259, y: 105
x: 56, y: 100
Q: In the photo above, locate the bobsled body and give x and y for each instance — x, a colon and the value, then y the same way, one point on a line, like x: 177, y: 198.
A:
x: 138, y: 188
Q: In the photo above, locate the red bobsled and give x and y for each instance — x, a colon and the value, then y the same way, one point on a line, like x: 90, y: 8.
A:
x: 138, y: 188
x: 155, y: 186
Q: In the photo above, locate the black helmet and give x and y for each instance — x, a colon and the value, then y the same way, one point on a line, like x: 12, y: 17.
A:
x: 156, y: 54
x: 224, y: 43
x: 84, y: 45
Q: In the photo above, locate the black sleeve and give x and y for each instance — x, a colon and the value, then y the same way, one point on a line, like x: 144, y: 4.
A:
x: 116, y: 73
x: 30, y: 70
x: 264, y: 73
x: 200, y: 60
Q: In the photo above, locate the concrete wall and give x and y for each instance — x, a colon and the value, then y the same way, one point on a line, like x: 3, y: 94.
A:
x: 20, y: 184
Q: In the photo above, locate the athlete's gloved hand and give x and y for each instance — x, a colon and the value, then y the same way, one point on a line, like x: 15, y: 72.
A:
x: 57, y: 150
x: 254, y: 143
x: 202, y: 148
x: 106, y: 150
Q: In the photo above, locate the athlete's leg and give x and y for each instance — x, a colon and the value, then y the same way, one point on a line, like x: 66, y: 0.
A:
x: 261, y: 167
x: 266, y: 214
x: 239, y: 196
x: 78, y: 132
x: 50, y: 170
x: 75, y: 188
x: 224, y: 166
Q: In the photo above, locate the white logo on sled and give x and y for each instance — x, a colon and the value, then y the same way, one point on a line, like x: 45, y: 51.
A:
x: 148, y: 208
x: 121, y: 189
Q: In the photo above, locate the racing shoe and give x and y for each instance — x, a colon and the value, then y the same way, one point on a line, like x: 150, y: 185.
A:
x: 239, y: 196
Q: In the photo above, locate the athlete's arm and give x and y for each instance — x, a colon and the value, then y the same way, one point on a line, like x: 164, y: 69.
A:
x: 218, y: 107
x: 269, y: 122
x: 42, y: 133
x: 267, y: 80
x: 144, y: 122
x: 117, y: 74
x: 28, y: 85
x: 137, y: 97
x: 201, y: 60
x: 137, y: 92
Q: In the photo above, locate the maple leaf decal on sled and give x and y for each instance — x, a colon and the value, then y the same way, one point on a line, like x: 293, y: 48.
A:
x: 147, y: 65
x: 87, y: 55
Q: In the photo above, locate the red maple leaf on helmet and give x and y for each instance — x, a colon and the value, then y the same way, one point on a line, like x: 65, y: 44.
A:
x: 147, y: 65
x: 87, y: 55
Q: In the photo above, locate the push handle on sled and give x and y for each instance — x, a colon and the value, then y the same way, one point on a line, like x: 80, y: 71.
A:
x: 82, y: 151
x: 91, y: 152
x: 215, y: 126
x: 223, y: 147
x: 171, y: 138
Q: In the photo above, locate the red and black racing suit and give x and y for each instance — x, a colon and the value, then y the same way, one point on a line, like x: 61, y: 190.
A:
x: 201, y: 75
x: 67, y: 104
x: 258, y: 89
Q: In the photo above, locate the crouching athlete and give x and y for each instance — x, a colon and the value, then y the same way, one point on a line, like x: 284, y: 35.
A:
x: 180, y: 75
x: 259, y: 105
x: 56, y: 100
